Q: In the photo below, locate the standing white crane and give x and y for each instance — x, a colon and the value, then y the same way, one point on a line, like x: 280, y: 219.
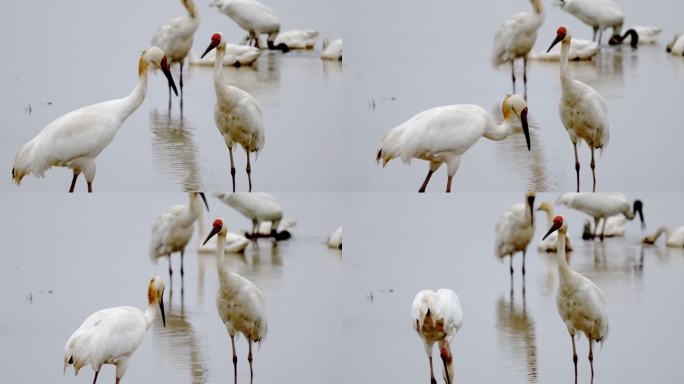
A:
x: 675, y: 238
x: 75, y: 139
x: 237, y: 114
x: 239, y: 302
x: 598, y: 14
x: 258, y: 207
x: 255, y: 18
x: 437, y: 316
x: 603, y: 205
x: 583, y: 111
x: 443, y: 134
x: 176, y: 37
x: 173, y: 230
x: 515, y: 38
x: 111, y: 336
x: 581, y: 303
x: 549, y: 244
x: 514, y: 230
x: 297, y: 39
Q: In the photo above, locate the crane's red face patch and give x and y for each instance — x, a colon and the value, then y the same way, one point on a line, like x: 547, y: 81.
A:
x: 558, y: 221
x: 218, y: 223
x: 561, y: 32
x: 215, y: 39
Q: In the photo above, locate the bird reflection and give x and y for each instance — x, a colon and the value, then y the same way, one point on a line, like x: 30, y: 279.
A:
x: 516, y: 335
x: 174, y: 151
x: 332, y: 70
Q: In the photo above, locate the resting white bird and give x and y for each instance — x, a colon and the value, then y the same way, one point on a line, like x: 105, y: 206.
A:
x: 443, y: 134
x: 598, y: 14
x: 176, y: 37
x: 283, y: 229
x: 675, y: 238
x: 603, y: 205
x: 676, y: 46
x: 254, y: 17
x: 297, y: 39
x: 583, y: 111
x: 513, y: 232
x: 236, y: 55
x: 110, y: 336
x: 258, y: 207
x: 437, y: 316
x: 239, y: 302
x: 581, y: 303
x: 237, y: 114
x: 234, y: 244
x: 515, y: 38
x: 549, y: 243
x: 615, y: 227
x: 332, y: 50
x: 638, y: 34
x: 173, y: 229
x: 335, y: 239
x: 76, y: 139
x: 579, y: 50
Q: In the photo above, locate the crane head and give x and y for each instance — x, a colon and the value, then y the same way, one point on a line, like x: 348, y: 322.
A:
x: 217, y: 227
x: 561, y: 35
x: 216, y: 40
x: 155, y: 294
x: 558, y: 225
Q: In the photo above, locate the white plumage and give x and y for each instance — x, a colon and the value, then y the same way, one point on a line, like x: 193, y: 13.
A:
x: 266, y: 228
x: 236, y: 55
x: 335, y: 239
x: 258, y: 207
x: 598, y: 14
x: 583, y: 111
x: 675, y: 238
x: 647, y: 35
x: 581, y: 303
x: 252, y: 16
x: 602, y: 205
x: 297, y: 39
x: 579, y: 50
x: 676, y: 46
x: 110, y: 336
x: 234, y: 244
x: 514, y: 230
x: 75, y: 139
x: 332, y: 50
x: 548, y: 244
x: 442, y: 135
x: 615, y: 227
x: 437, y: 316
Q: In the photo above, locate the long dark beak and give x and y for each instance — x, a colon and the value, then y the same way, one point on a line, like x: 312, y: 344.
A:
x: 209, y: 48
x: 204, y: 198
x: 557, y: 40
x: 639, y: 208
x: 525, y: 127
x: 161, y: 308
x: 553, y: 229
x: 213, y: 232
x: 530, y: 201
x: 167, y: 73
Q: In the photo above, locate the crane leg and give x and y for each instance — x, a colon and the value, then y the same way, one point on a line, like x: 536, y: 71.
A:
x: 603, y: 228
x: 523, y: 264
x: 182, y: 272
x: 118, y: 380
x: 574, y: 355
x: 449, y: 179
x: 577, y: 165
x: 600, y: 36
x: 95, y: 378
x: 232, y: 166
x: 170, y: 271
x: 513, y: 74
x: 90, y: 186
x: 591, y: 357
x: 597, y: 220
x: 73, y: 181
x: 249, y: 170
x: 169, y: 97
x: 425, y: 182
x: 446, y: 360
x: 249, y: 358
x: 593, y: 169
x: 595, y: 31
x: 510, y: 266
x: 432, y: 372
x: 232, y: 340
x: 181, y: 79
x: 525, y: 76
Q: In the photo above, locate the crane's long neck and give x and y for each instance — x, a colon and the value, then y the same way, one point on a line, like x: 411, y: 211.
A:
x: 566, y: 80
x: 218, y: 68
x: 659, y: 232
x: 192, y: 10
x: 200, y: 229
x: 549, y: 216
x: 226, y: 280
x: 136, y: 97
x: 563, y: 267
x: 537, y: 6
x: 497, y: 132
x: 150, y: 314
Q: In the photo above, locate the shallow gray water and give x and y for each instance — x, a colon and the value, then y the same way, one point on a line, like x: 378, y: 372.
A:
x: 412, y: 56
x: 71, y: 56
x: 92, y: 254
x: 394, y: 248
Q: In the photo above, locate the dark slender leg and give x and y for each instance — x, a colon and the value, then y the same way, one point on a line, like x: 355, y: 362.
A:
x: 181, y: 79
x: 591, y: 358
x: 249, y: 358
x: 523, y: 265
x: 118, y: 380
x: 425, y: 182
x: 232, y: 340
x: 510, y: 264
x: 255, y: 225
x: 525, y: 75
x: 513, y: 74
x: 595, y: 31
x: 73, y: 182
x: 170, y: 270
x: 445, y: 360
x: 449, y: 178
x: 232, y: 166
x: 600, y: 36
x: 90, y: 187
x: 169, y: 97
x: 95, y: 379
x: 182, y: 272
x: 603, y: 227
x: 249, y: 170
x: 593, y: 167
x: 577, y: 166
x: 597, y: 220
x: 574, y: 356
x: 432, y: 373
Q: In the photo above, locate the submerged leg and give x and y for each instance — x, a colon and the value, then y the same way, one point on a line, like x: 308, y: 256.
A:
x: 232, y: 166
x: 593, y: 167
x: 249, y: 358
x: 595, y: 31
x: 591, y: 357
x: 577, y: 165
x: 523, y: 264
x: 181, y: 79
x: 513, y: 74
x: 432, y: 372
x: 249, y: 170
x: 73, y: 181
x: 232, y: 340
x: 170, y: 270
x: 574, y: 356
x: 597, y: 220
x: 603, y: 227
x: 525, y: 76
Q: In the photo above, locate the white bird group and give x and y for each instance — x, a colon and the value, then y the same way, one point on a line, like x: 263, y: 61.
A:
x: 602, y: 206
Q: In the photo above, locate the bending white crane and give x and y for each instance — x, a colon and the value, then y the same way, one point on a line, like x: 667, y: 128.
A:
x: 443, y: 134
x: 513, y: 232
x: 582, y: 110
x: 239, y: 302
x: 437, y: 316
x: 335, y: 239
x: 76, y: 139
x: 297, y: 39
x: 255, y: 18
x: 676, y: 46
x: 549, y: 243
x: 598, y: 14
x: 176, y: 36
x: 258, y: 207
x: 674, y: 238
x: 581, y: 303
x: 332, y: 50
x: 603, y: 205
x: 515, y: 38
x: 237, y: 114
x: 173, y: 230
x: 111, y: 336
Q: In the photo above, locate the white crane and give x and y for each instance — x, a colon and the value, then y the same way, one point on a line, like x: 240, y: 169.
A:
x: 332, y: 50
x: 236, y: 55
x: 75, y: 139
x: 603, y: 205
x: 598, y: 14
x: 173, y: 229
x: 335, y: 239
x: 237, y: 114
x: 647, y: 35
x: 675, y: 238
x: 437, y: 316
x: 111, y: 336
x: 176, y: 36
x: 615, y: 227
x: 583, y: 111
x: 515, y: 38
x: 634, y: 38
x: 514, y: 230
x: 239, y: 302
x: 676, y: 46
x: 297, y: 39
x: 581, y: 303
x: 443, y: 134
x: 580, y: 50
x: 258, y: 207
x: 549, y: 243
x: 234, y: 244
x: 255, y: 18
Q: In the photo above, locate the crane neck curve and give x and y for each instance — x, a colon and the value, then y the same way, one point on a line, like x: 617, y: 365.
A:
x: 150, y: 314
x: 563, y: 267
x: 136, y: 97
x: 498, y: 132
x: 659, y: 232
x: 191, y: 9
x: 566, y: 79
